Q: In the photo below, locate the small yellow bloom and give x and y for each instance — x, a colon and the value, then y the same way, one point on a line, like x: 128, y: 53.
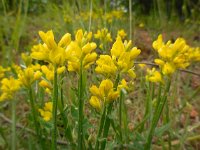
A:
x: 103, y: 94
x: 27, y: 77
x: 122, y: 85
x: 153, y: 76
x: 48, y: 71
x: 37, y: 75
x: 8, y: 87
x: 141, y: 25
x: 121, y: 33
x: 142, y: 65
x: 50, y: 51
x: 106, y: 66
x: 46, y: 112
x: 60, y: 70
x: 80, y: 52
x: 3, y: 71
x: 95, y: 102
x: 45, y: 84
x: 173, y: 56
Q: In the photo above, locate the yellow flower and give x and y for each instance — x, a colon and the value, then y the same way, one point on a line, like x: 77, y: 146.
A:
x: 46, y: 112
x: 95, y: 103
x: 122, y: 85
x: 194, y: 54
x: 3, y: 71
x: 8, y: 87
x: 173, y: 56
x: 153, y: 76
x: 26, y: 77
x: 105, y: 66
x: 121, y: 59
x: 168, y: 69
x: 45, y: 84
x: 50, y: 51
x: 103, y: 94
x: 158, y: 43
x: 37, y: 75
x: 103, y: 35
x: 142, y: 65
x: 60, y: 70
x: 141, y: 25
x: 79, y: 52
x: 121, y: 33
x: 48, y: 71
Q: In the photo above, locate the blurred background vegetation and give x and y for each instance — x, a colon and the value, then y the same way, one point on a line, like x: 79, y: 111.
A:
x: 20, y: 20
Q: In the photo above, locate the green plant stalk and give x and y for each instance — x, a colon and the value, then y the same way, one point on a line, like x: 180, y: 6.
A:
x: 13, y: 124
x: 80, y: 109
x: 167, y: 121
x: 34, y: 115
x: 107, y: 121
x: 146, y: 107
x: 4, y: 7
x: 106, y: 126
x: 68, y: 133
x: 151, y: 99
x: 125, y: 120
x: 90, y: 20
x: 120, y: 114
x: 105, y: 9
x: 55, y: 101
x: 130, y: 19
x: 157, y: 115
x: 102, y: 121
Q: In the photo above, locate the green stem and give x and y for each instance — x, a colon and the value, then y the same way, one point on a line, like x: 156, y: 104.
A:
x: 102, y: 121
x: 80, y: 109
x: 125, y: 120
x: 90, y: 20
x: 130, y: 19
x: 55, y: 100
x: 146, y: 107
x: 13, y: 124
x: 106, y: 126
x: 167, y: 121
x: 68, y: 133
x: 120, y: 114
x: 157, y: 115
x: 107, y: 121
x: 105, y: 13
x: 34, y: 115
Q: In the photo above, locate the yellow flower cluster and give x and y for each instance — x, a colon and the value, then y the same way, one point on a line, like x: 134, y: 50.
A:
x: 104, y: 36
x: 46, y: 112
x: 115, y: 14
x: 173, y: 56
x: 103, y: 94
x: 28, y: 76
x: 50, y: 51
x: 154, y: 76
x: 79, y: 52
x: 74, y: 53
x: 8, y: 88
x: 96, y: 15
x: 3, y: 71
x: 121, y: 33
x: 121, y: 59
